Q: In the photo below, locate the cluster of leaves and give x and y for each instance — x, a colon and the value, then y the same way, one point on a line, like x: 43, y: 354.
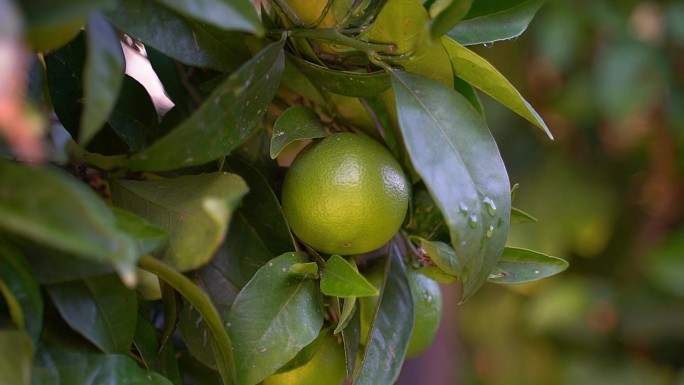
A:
x: 184, y: 206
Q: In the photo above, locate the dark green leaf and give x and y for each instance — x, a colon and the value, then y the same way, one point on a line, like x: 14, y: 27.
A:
x: 18, y: 280
x: 519, y: 216
x: 102, y: 76
x: 341, y: 279
x: 101, y: 309
x: 225, y: 14
x: 351, y: 336
x: 346, y: 83
x: 390, y: 329
x: 522, y: 265
x: 296, y: 123
x: 490, y: 21
x: 157, y: 357
x: 194, y: 372
x: 134, y: 119
x: 149, y: 237
x: 224, y: 121
x: 194, y: 209
x: 54, y: 365
x: 17, y: 354
x: 475, y: 70
x: 275, y: 315
x: 445, y: 15
x: 295, y: 79
x: 65, y: 70
x: 33, y: 203
x: 453, y: 151
x: 244, y: 252
x: 188, y: 41
x: 262, y: 210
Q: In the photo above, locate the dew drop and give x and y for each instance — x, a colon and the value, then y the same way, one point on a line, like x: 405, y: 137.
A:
x: 490, y: 206
x: 228, y: 324
x: 270, y: 263
x: 463, y: 208
x: 536, y: 272
x: 284, y: 270
x: 472, y: 221
x: 488, y: 45
x: 490, y: 231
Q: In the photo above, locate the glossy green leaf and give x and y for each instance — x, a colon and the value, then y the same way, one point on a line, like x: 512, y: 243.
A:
x: 402, y: 23
x: 65, y: 79
x: 224, y: 121
x: 102, y: 76
x: 341, y: 279
x: 475, y: 70
x: 188, y: 41
x: 275, y: 315
x: 34, y: 200
x: 195, y: 210
x: 17, y: 355
x: 521, y: 265
x: 296, y: 123
x: 225, y: 14
x: 101, y: 309
x: 351, y: 336
x: 348, y: 83
x: 16, y: 277
x: 519, y: 216
x: 445, y: 15
x: 154, y: 355
x: 463, y: 172
x: 390, y: 329
x: 54, y: 365
x: 148, y: 237
x: 441, y: 254
x: 490, y: 21
x: 306, y: 270
x: 346, y: 314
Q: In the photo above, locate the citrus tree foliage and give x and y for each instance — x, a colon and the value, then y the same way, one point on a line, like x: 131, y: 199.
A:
x: 149, y: 246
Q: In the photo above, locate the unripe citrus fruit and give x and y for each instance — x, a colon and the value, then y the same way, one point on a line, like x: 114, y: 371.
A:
x: 326, y: 367
x: 345, y: 194
x: 427, y: 309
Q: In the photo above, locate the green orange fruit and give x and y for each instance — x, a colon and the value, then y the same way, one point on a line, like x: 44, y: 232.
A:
x: 345, y: 194
x: 326, y: 366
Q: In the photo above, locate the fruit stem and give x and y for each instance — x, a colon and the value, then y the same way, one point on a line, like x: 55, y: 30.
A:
x: 198, y: 299
x: 335, y: 36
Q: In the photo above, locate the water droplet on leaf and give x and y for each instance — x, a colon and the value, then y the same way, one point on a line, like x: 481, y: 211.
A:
x: 472, y: 221
x: 490, y: 206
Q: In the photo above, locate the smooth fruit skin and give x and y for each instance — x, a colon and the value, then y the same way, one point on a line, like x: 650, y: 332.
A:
x: 326, y: 367
x: 345, y: 194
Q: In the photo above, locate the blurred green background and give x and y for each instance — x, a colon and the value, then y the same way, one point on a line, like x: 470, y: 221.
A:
x: 608, y: 79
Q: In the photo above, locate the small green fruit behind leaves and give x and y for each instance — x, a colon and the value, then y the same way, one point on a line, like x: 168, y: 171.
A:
x: 327, y: 364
